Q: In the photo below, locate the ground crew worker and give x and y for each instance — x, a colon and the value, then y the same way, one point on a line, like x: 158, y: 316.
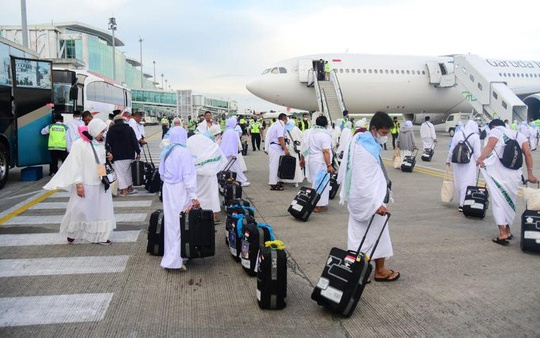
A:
x: 327, y: 69
x: 243, y: 125
x: 395, y: 131
x: 191, y: 126
x: 344, y: 119
x: 222, y: 122
x: 304, y: 124
x: 255, y: 133
x: 58, y: 142
x: 164, y: 126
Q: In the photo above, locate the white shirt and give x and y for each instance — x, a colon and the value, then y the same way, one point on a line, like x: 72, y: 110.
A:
x: 427, y: 130
x: 277, y: 131
x: 138, y: 128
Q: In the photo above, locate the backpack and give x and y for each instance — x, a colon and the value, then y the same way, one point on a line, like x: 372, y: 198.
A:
x: 512, y: 157
x: 483, y: 134
x: 462, y: 151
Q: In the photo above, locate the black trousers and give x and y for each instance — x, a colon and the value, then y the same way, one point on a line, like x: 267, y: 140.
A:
x: 394, y: 138
x: 256, y: 139
x: 55, y: 156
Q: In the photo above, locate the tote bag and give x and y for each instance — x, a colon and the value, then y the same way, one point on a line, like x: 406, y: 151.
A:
x: 447, y: 190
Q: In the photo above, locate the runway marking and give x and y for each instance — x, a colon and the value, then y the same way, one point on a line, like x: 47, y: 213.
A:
x: 57, y: 239
x: 40, y: 310
x: 62, y: 266
x: 57, y: 219
x: 23, y: 206
x: 139, y: 193
x: 117, y: 204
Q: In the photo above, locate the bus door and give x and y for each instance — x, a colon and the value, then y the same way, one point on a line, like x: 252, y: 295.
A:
x: 33, y: 97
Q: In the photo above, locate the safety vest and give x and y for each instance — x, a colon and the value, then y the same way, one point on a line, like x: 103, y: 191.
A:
x: 327, y: 67
x: 191, y: 125
x: 303, y: 125
x: 57, y: 137
x: 255, y: 127
x: 395, y: 128
x: 344, y: 120
x: 537, y: 122
x: 222, y: 124
x: 513, y: 126
x: 164, y: 121
x: 242, y: 121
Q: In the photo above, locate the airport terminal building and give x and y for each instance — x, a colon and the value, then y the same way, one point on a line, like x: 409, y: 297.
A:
x: 75, y: 45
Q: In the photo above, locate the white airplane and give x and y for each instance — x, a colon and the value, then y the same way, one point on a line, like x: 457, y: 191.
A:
x: 391, y: 83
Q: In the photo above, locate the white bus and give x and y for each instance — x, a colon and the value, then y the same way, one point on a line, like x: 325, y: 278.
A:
x: 84, y: 90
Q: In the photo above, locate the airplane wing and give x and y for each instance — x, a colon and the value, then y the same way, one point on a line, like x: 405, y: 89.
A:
x: 525, y: 91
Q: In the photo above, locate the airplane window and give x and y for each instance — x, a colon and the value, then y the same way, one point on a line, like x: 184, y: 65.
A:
x: 479, y: 86
x: 391, y: 71
x: 370, y: 71
x: 423, y: 72
x: 347, y: 70
x: 275, y: 70
x: 495, y: 95
x: 504, y: 105
x: 353, y: 70
x: 358, y: 70
x: 402, y: 71
x: 380, y: 71
x: 408, y: 72
x: 364, y: 71
x: 266, y: 71
x: 282, y: 70
x: 386, y: 71
x: 375, y: 71
x: 471, y: 77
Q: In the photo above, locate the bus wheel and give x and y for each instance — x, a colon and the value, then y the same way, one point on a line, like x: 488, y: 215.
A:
x: 4, y: 165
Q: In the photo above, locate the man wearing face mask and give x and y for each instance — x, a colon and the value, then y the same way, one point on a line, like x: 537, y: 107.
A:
x: 276, y: 148
x: 304, y: 124
x: 366, y: 193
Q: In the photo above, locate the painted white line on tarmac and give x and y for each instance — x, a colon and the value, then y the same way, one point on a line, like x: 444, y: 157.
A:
x: 33, y: 221
x: 23, y: 203
x: 62, y: 265
x: 56, y: 238
x: 141, y: 192
x: 117, y: 204
x: 40, y: 310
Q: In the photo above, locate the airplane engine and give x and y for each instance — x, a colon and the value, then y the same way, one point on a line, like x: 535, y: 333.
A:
x: 533, y: 104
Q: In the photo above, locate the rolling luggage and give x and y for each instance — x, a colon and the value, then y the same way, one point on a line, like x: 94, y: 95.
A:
x: 235, y: 210
x: 154, y: 184
x: 234, y: 229
x: 476, y: 201
x: 345, y: 276
x: 427, y: 154
x: 272, y: 276
x: 198, y: 234
x: 334, y: 186
x: 231, y: 191
x: 156, y: 234
x: 141, y: 172
x: 409, y: 162
x: 226, y: 175
x: 244, y: 148
x: 305, y: 201
x: 253, y: 238
x: 530, y: 231
x: 287, y: 167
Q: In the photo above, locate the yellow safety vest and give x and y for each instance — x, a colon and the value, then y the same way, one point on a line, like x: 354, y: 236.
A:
x: 395, y: 128
x: 327, y: 67
x: 191, y: 125
x: 164, y: 121
x: 57, y: 137
x: 303, y: 125
x: 242, y: 121
x: 255, y: 127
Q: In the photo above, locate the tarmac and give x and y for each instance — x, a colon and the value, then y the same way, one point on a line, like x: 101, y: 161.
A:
x: 455, y: 282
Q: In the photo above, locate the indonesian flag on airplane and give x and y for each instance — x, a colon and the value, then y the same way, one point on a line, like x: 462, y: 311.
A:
x: 336, y: 60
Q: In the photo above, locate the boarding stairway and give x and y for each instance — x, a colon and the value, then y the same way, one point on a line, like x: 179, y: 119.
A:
x: 481, y: 86
x: 329, y: 96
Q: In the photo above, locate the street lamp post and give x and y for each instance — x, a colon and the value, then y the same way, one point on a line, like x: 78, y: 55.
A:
x: 161, y: 81
x: 112, y: 27
x: 140, y: 41
x: 154, y: 74
x: 165, y: 85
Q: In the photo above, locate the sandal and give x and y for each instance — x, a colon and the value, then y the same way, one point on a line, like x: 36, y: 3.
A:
x: 276, y: 187
x: 500, y: 241
x: 387, y: 278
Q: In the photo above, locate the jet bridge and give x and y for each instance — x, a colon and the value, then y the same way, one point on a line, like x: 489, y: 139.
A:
x: 481, y: 85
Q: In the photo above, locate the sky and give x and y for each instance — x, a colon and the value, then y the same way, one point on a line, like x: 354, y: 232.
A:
x: 216, y: 47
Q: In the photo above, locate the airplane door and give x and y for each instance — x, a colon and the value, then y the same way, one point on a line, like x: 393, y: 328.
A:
x: 304, y: 65
x: 434, y: 72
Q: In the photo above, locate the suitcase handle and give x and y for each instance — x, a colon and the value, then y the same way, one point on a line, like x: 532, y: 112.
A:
x: 358, y: 253
x: 229, y: 164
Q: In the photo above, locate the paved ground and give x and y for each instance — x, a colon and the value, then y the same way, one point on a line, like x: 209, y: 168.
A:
x: 455, y: 281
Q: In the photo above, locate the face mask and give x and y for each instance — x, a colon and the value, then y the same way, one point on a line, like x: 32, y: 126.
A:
x: 381, y: 139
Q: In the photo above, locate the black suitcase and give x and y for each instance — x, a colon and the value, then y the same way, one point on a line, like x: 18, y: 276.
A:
x: 344, y: 277
x: 156, y: 234
x: 244, y: 148
x: 239, y: 202
x: 235, y: 210
x: 409, y: 162
x: 234, y: 228
x: 305, y: 201
x: 427, y: 154
x: 226, y: 175
x: 272, y: 277
x: 530, y: 231
x: 198, y: 234
x: 334, y: 186
x: 253, y: 238
x: 287, y: 167
x: 141, y: 172
x: 476, y: 202
x: 154, y: 184
x: 232, y: 191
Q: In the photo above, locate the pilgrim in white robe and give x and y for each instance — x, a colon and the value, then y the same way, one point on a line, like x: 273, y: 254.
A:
x: 274, y: 151
x: 230, y: 143
x: 294, y: 134
x: 208, y: 161
x: 123, y: 173
x: 502, y: 182
x: 91, y: 217
x: 533, y: 136
x: 465, y: 174
x: 427, y: 133
x: 364, y: 191
x: 179, y: 187
x: 316, y: 141
x: 345, y: 138
x: 336, y: 133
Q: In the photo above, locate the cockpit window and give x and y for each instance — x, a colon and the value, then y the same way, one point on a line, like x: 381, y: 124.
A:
x: 282, y: 70
x: 275, y: 70
x: 265, y: 71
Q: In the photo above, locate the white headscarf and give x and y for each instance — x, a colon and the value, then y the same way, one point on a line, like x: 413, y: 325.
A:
x: 230, y: 139
x: 360, y: 123
x: 95, y: 127
x: 408, y: 124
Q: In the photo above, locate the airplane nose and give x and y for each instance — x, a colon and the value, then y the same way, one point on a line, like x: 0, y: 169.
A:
x: 254, y: 86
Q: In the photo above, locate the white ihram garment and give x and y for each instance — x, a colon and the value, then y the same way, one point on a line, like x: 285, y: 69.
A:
x: 427, y: 133
x: 297, y: 135
x: 317, y: 140
x: 367, y: 193
x: 123, y: 173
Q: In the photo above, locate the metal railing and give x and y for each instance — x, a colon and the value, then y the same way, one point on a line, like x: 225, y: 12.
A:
x: 334, y: 79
